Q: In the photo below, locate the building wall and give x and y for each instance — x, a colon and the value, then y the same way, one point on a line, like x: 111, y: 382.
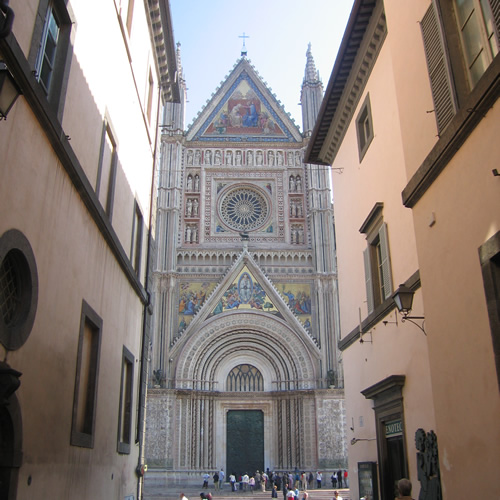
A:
x: 49, y: 168
x: 436, y: 176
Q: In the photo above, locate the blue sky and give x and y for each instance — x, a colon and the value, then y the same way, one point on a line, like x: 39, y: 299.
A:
x: 279, y: 32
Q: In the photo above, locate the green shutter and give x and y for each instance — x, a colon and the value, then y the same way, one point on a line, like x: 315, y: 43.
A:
x: 368, y: 279
x: 437, y: 64
x: 386, y: 261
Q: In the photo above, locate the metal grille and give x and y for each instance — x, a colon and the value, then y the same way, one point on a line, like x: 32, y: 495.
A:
x: 10, y: 296
x: 245, y: 378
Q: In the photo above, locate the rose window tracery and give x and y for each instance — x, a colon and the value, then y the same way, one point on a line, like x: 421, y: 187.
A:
x: 244, y: 209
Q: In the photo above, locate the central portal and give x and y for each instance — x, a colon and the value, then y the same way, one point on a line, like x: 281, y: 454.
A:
x: 245, y: 442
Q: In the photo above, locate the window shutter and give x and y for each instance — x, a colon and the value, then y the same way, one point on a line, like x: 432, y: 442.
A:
x: 386, y: 261
x: 495, y: 8
x: 437, y: 64
x: 368, y: 279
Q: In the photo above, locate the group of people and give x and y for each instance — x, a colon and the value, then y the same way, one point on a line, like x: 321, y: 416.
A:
x: 339, y: 479
x: 273, y: 481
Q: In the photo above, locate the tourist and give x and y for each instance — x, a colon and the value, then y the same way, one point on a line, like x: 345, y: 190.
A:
x: 221, y: 478
x: 216, y: 480
x: 339, y: 478
x: 334, y: 480
x: 404, y: 489
x: 319, y: 478
x: 206, y: 477
x: 232, y: 481
x: 310, y: 480
x: 336, y: 496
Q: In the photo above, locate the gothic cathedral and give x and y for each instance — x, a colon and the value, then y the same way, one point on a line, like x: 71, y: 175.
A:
x: 244, y: 371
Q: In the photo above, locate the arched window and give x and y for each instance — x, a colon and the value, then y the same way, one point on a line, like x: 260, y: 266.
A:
x: 245, y: 378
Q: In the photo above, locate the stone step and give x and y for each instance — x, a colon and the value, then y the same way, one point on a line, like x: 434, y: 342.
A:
x: 155, y: 490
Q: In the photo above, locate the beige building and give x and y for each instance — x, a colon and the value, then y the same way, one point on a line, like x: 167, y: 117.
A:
x: 77, y: 154
x: 410, y: 124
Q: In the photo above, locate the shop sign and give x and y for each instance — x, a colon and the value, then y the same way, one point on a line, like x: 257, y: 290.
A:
x: 394, y: 428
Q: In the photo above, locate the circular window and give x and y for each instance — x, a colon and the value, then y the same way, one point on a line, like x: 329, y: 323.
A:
x: 18, y: 289
x: 244, y: 209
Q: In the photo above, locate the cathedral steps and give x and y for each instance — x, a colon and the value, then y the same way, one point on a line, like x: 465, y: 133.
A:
x: 153, y: 490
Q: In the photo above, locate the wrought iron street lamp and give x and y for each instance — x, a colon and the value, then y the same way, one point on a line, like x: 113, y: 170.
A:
x: 9, y: 91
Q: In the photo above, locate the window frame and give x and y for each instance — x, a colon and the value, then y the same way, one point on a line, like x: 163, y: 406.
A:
x: 56, y: 92
x: 449, y: 78
x: 377, y: 259
x: 78, y: 437
x: 137, y: 235
x: 107, y: 132
x: 14, y: 334
x: 489, y: 257
x: 365, y: 137
x: 126, y: 400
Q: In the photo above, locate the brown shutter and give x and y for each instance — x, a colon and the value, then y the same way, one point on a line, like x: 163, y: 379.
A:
x: 368, y: 279
x: 386, y: 261
x: 495, y: 8
x: 437, y: 63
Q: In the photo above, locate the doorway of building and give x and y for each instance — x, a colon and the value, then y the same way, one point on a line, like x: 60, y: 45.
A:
x: 396, y: 465
x: 245, y: 442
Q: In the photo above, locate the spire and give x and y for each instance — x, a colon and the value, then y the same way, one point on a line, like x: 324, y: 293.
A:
x: 180, y: 73
x: 311, y: 94
x: 311, y: 75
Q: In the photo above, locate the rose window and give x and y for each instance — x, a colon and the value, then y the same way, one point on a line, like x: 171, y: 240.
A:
x: 244, y: 209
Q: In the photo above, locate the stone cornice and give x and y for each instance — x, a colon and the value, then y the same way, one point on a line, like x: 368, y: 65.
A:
x: 363, y: 38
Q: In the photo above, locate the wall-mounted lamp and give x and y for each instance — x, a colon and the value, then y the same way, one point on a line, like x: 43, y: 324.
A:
x: 9, y: 91
x: 403, y: 298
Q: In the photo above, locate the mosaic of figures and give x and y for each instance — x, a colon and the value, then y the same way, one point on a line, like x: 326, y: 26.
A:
x: 192, y: 296
x: 245, y: 112
x: 243, y: 157
x: 245, y: 293
x: 193, y: 183
x: 298, y: 297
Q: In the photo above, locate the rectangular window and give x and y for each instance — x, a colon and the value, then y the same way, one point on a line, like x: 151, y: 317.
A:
x: 489, y: 255
x: 137, y: 230
x: 376, y: 256
x: 50, y: 50
x: 478, y: 36
x: 106, y: 172
x: 47, y: 53
x: 87, y: 369
x: 126, y: 393
x: 364, y: 127
x: 455, y: 68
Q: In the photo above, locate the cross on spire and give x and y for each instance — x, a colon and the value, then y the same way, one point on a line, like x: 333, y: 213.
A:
x: 243, y: 49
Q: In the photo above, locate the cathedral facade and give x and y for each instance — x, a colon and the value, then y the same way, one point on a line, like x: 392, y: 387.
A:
x: 244, y: 373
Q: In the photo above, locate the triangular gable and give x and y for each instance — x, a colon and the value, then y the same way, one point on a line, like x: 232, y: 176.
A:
x: 244, y: 110
x: 244, y: 287
x: 245, y: 293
